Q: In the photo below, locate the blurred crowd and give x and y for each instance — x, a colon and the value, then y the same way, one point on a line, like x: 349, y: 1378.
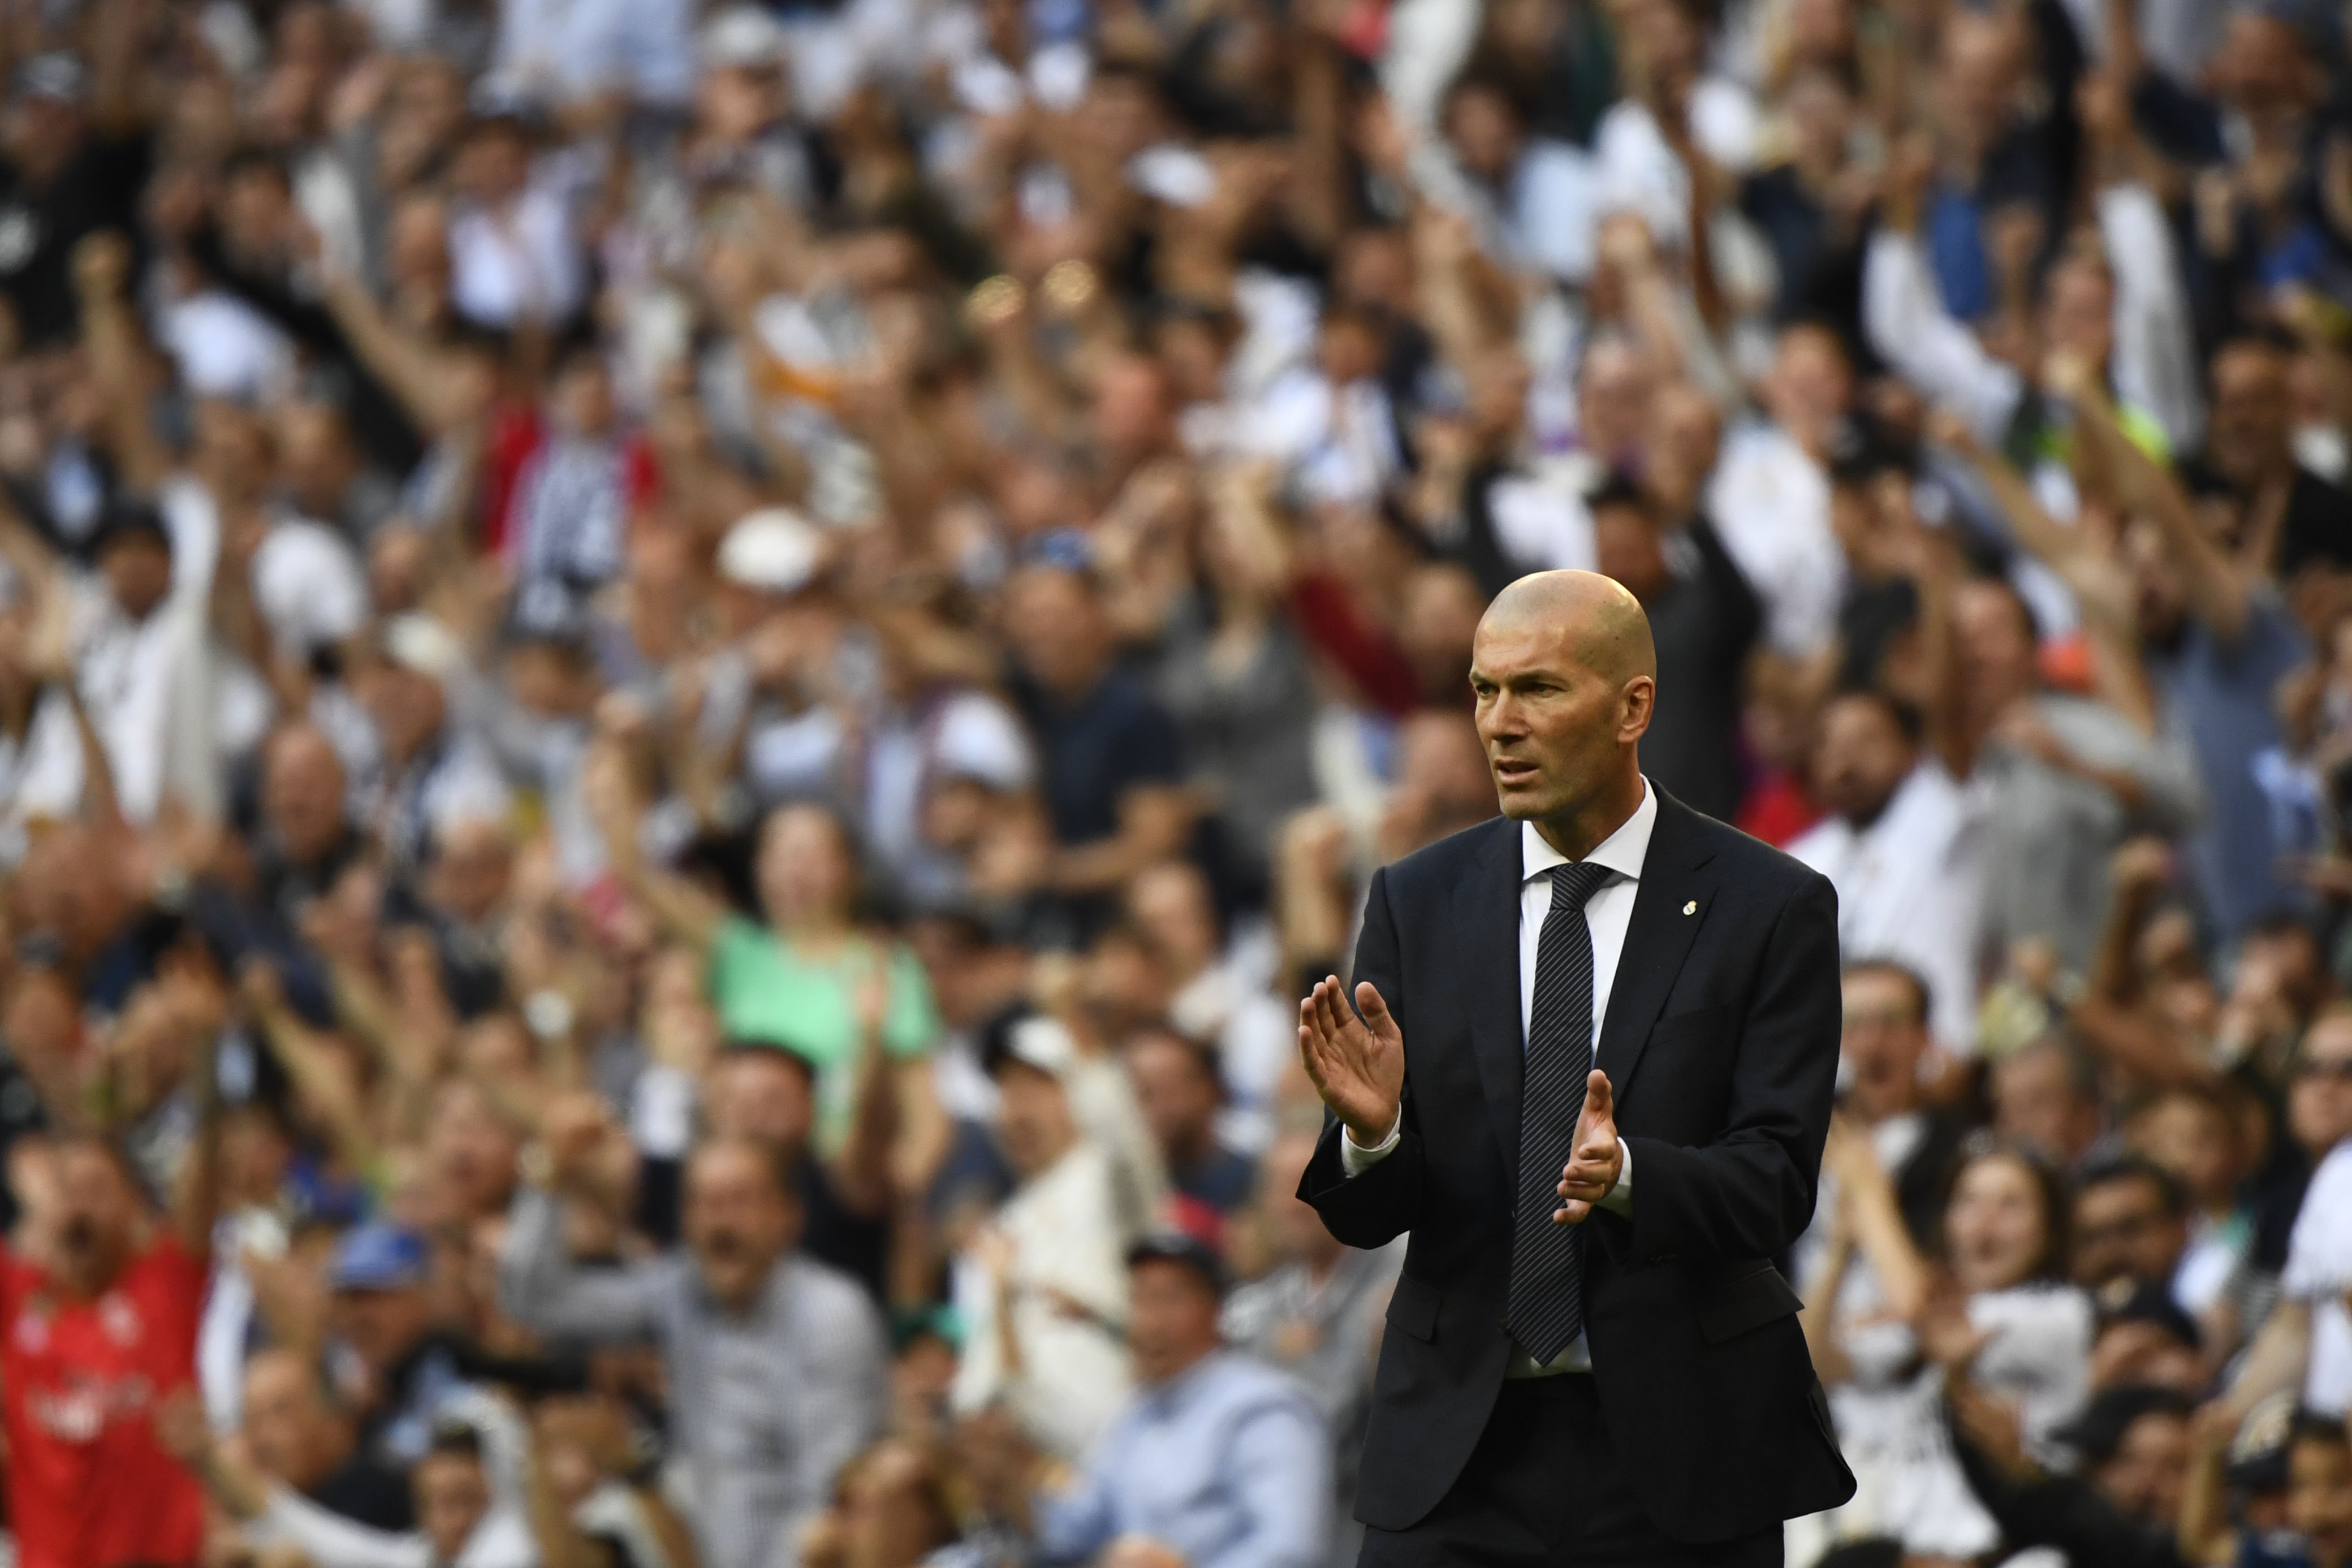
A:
x: 685, y: 691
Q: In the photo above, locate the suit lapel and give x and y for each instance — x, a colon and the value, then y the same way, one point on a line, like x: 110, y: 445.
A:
x: 1658, y: 939
x: 1487, y: 906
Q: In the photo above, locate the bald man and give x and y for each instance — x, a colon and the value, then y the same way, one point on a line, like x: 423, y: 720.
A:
x: 1589, y: 1066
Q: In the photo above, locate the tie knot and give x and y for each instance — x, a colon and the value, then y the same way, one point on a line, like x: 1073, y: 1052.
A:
x: 1577, y: 882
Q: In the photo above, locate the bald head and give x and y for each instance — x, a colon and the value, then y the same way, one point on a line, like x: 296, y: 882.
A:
x: 302, y: 786
x: 1566, y: 675
x: 1601, y: 624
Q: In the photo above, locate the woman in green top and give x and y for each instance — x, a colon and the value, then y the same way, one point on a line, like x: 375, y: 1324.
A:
x: 794, y: 982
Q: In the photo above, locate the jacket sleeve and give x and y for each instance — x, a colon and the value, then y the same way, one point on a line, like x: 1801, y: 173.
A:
x: 1374, y: 1207
x: 1751, y: 1192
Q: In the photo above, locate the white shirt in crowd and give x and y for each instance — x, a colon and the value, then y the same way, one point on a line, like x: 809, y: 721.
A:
x: 565, y: 51
x: 2319, y: 1272
x: 125, y: 670
x: 1540, y: 519
x: 1340, y: 439
x: 2154, y: 366
x: 309, y: 585
x: 41, y: 774
x: 224, y: 347
x: 1909, y: 887
x: 1233, y: 1003
x: 1771, y: 506
x: 1890, y: 1420
x: 1639, y: 173
x: 517, y: 263
x: 502, y: 1539
x: 1068, y: 1249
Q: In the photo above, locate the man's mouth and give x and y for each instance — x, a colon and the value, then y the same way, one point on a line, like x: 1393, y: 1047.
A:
x: 1514, y: 770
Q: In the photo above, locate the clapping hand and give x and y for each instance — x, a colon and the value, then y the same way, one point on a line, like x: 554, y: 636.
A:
x: 1596, y: 1158
x: 1357, y: 1064
x: 1947, y: 1337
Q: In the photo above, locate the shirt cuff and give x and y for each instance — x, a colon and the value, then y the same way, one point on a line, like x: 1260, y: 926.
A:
x: 1619, y: 1199
x: 1355, y: 1159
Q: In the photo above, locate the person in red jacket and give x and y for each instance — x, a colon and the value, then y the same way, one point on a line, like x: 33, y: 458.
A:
x: 98, y: 1328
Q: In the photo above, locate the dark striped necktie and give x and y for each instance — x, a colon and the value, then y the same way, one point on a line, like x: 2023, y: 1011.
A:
x: 1547, y: 1300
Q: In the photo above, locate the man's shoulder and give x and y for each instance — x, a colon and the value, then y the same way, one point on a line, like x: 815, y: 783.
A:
x: 1445, y: 862
x: 1754, y: 862
x: 1239, y: 1385
x: 1756, y: 867
x: 828, y: 1302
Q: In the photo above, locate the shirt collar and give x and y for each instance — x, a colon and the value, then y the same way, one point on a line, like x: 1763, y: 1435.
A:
x: 1621, y: 852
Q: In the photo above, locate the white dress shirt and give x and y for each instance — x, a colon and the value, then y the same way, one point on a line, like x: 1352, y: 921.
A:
x: 1607, y: 914
x: 1903, y: 315
x: 1910, y: 888
x: 1772, y: 501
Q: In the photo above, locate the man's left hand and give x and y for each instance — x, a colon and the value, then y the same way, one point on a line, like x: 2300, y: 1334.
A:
x: 1596, y: 1158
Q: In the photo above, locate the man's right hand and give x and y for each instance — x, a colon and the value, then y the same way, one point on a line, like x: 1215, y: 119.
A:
x: 1357, y: 1064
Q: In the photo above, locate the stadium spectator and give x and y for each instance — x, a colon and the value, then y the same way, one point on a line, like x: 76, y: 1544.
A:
x: 1215, y: 1458
x: 298, y: 1434
x: 2130, y: 1224
x: 1315, y: 1315
x: 774, y: 1363
x: 1901, y: 850
x: 1176, y: 1086
x: 105, y: 1308
x: 1043, y: 1293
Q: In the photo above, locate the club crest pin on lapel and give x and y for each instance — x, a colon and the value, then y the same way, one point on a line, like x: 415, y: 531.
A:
x: 1692, y: 907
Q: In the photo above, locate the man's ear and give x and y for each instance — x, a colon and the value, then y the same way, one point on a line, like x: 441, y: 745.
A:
x: 1635, y: 704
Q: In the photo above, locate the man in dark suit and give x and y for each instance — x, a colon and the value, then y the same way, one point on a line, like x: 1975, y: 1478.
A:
x: 1592, y: 1075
